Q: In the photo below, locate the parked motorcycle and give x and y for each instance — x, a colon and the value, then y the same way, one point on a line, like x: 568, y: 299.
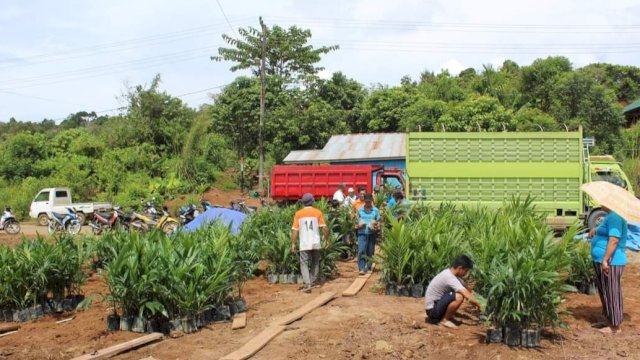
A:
x: 239, y: 205
x: 10, y: 224
x: 108, y: 221
x: 186, y: 214
x: 147, y: 220
x: 64, y: 222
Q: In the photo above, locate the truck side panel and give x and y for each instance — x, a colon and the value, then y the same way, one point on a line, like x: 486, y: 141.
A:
x: 290, y: 182
x: 490, y: 168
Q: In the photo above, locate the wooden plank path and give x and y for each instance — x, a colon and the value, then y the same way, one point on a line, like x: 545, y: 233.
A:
x: 306, y: 308
x: 254, y: 345
x: 358, y: 284
x: 277, y: 327
x: 9, y: 328
x: 117, y: 349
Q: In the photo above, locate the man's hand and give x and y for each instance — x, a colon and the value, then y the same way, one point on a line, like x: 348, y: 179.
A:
x: 592, y: 233
x: 328, y: 244
x: 293, y: 249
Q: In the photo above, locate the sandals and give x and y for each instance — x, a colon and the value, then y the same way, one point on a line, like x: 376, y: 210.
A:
x: 448, y: 324
x: 600, y: 325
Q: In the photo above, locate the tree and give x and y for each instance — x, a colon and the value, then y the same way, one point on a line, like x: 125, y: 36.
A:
x: 383, y: 110
x: 281, y: 54
x: 538, y: 79
x: 346, y: 96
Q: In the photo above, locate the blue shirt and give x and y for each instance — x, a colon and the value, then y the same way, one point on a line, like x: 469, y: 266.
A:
x: 611, y: 226
x: 366, y: 218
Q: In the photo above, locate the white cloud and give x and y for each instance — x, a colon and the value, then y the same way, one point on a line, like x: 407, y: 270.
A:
x: 454, y: 66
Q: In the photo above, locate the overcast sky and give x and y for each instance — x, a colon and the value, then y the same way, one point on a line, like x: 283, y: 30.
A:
x: 60, y: 57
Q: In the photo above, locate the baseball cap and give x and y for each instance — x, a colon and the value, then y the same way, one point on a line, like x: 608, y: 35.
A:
x: 351, y: 190
x: 307, y: 199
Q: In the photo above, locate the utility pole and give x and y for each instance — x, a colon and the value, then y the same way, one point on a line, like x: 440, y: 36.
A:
x: 263, y: 55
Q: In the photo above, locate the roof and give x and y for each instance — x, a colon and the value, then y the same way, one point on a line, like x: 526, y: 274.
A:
x: 354, y: 147
x: 633, y: 106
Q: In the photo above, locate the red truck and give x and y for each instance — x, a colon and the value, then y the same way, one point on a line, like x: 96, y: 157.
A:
x: 290, y: 182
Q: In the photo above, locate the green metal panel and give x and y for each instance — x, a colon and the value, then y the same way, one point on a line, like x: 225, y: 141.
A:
x: 490, y: 168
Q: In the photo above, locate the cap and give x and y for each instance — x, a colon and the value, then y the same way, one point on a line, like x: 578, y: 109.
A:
x: 307, y: 199
x: 368, y: 197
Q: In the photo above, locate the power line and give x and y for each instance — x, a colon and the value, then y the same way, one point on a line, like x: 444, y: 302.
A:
x: 226, y: 18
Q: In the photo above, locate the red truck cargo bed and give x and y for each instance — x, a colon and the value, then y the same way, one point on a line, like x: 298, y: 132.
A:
x: 290, y: 182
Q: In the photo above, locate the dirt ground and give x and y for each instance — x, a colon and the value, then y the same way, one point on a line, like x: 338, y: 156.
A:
x: 368, y: 326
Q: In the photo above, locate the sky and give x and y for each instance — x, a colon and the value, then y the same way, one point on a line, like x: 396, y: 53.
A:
x: 61, y: 57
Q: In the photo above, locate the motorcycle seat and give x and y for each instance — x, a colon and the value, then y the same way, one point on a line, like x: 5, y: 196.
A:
x: 59, y: 216
x: 103, y: 214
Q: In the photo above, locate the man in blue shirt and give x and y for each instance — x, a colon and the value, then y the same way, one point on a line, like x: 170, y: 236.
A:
x: 368, y: 228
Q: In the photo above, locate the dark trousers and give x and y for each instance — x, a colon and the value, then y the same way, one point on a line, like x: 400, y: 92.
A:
x: 610, y: 290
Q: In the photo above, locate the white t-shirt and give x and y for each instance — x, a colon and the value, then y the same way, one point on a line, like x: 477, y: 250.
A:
x: 308, y: 222
x: 348, y: 201
x: 338, y: 195
x: 443, y: 283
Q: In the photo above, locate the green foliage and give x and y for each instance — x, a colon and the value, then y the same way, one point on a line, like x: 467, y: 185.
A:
x: 520, y: 266
x: 37, y: 268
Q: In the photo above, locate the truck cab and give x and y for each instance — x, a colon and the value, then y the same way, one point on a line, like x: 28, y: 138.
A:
x: 604, y: 168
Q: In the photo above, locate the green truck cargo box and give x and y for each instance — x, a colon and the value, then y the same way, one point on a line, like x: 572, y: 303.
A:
x: 490, y: 168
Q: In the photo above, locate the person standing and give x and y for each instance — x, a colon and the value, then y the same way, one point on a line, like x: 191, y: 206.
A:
x: 368, y: 217
x: 360, y: 200
x: 350, y: 199
x: 608, y: 243
x: 307, y: 223
x: 339, y: 194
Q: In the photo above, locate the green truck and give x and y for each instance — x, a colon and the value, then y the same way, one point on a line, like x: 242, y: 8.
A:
x: 489, y: 168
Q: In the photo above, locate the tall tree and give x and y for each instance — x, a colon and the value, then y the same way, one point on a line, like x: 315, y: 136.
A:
x: 284, y: 55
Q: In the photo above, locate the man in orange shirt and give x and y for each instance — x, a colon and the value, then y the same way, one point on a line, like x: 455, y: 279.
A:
x: 306, y: 226
x: 360, y: 201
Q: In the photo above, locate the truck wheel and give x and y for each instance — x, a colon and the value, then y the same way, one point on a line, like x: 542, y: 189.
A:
x: 43, y: 220
x: 82, y: 218
x: 595, y: 218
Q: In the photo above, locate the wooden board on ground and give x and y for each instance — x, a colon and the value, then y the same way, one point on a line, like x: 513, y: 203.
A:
x: 116, y: 349
x: 149, y: 358
x: 8, y: 333
x: 8, y: 328
x: 239, y: 321
x: 254, y: 345
x: 306, y: 308
x: 358, y: 283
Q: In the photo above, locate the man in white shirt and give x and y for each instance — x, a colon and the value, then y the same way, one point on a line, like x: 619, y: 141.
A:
x: 339, y: 194
x: 350, y: 198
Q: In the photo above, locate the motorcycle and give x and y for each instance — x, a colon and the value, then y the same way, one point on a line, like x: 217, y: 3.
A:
x: 108, y: 221
x: 186, y: 214
x: 239, y: 205
x: 149, y: 219
x: 64, y: 222
x: 10, y: 223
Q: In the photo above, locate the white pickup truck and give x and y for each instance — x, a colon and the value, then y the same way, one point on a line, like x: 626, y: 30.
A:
x: 58, y: 200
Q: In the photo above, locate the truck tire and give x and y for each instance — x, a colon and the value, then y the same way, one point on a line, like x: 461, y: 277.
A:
x: 595, y: 218
x: 82, y: 218
x: 43, y: 220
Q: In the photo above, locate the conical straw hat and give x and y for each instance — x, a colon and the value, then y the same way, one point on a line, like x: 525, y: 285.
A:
x: 615, y: 198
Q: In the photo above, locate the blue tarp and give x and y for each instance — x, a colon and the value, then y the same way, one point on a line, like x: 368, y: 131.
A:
x: 633, y: 237
x: 227, y: 216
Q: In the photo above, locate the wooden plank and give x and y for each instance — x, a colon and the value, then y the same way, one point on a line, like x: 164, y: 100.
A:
x: 117, y: 349
x: 358, y: 283
x: 65, y: 320
x: 305, y: 309
x: 7, y: 328
x: 254, y: 345
x: 239, y: 321
x: 8, y: 333
x: 149, y: 358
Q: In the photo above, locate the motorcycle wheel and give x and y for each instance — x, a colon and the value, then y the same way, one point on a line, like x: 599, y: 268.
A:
x: 137, y: 226
x: 169, y: 227
x: 73, y: 227
x: 51, y: 227
x: 96, y: 227
x: 12, y: 227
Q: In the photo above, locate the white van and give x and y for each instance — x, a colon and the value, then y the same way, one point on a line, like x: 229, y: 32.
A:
x: 58, y: 200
